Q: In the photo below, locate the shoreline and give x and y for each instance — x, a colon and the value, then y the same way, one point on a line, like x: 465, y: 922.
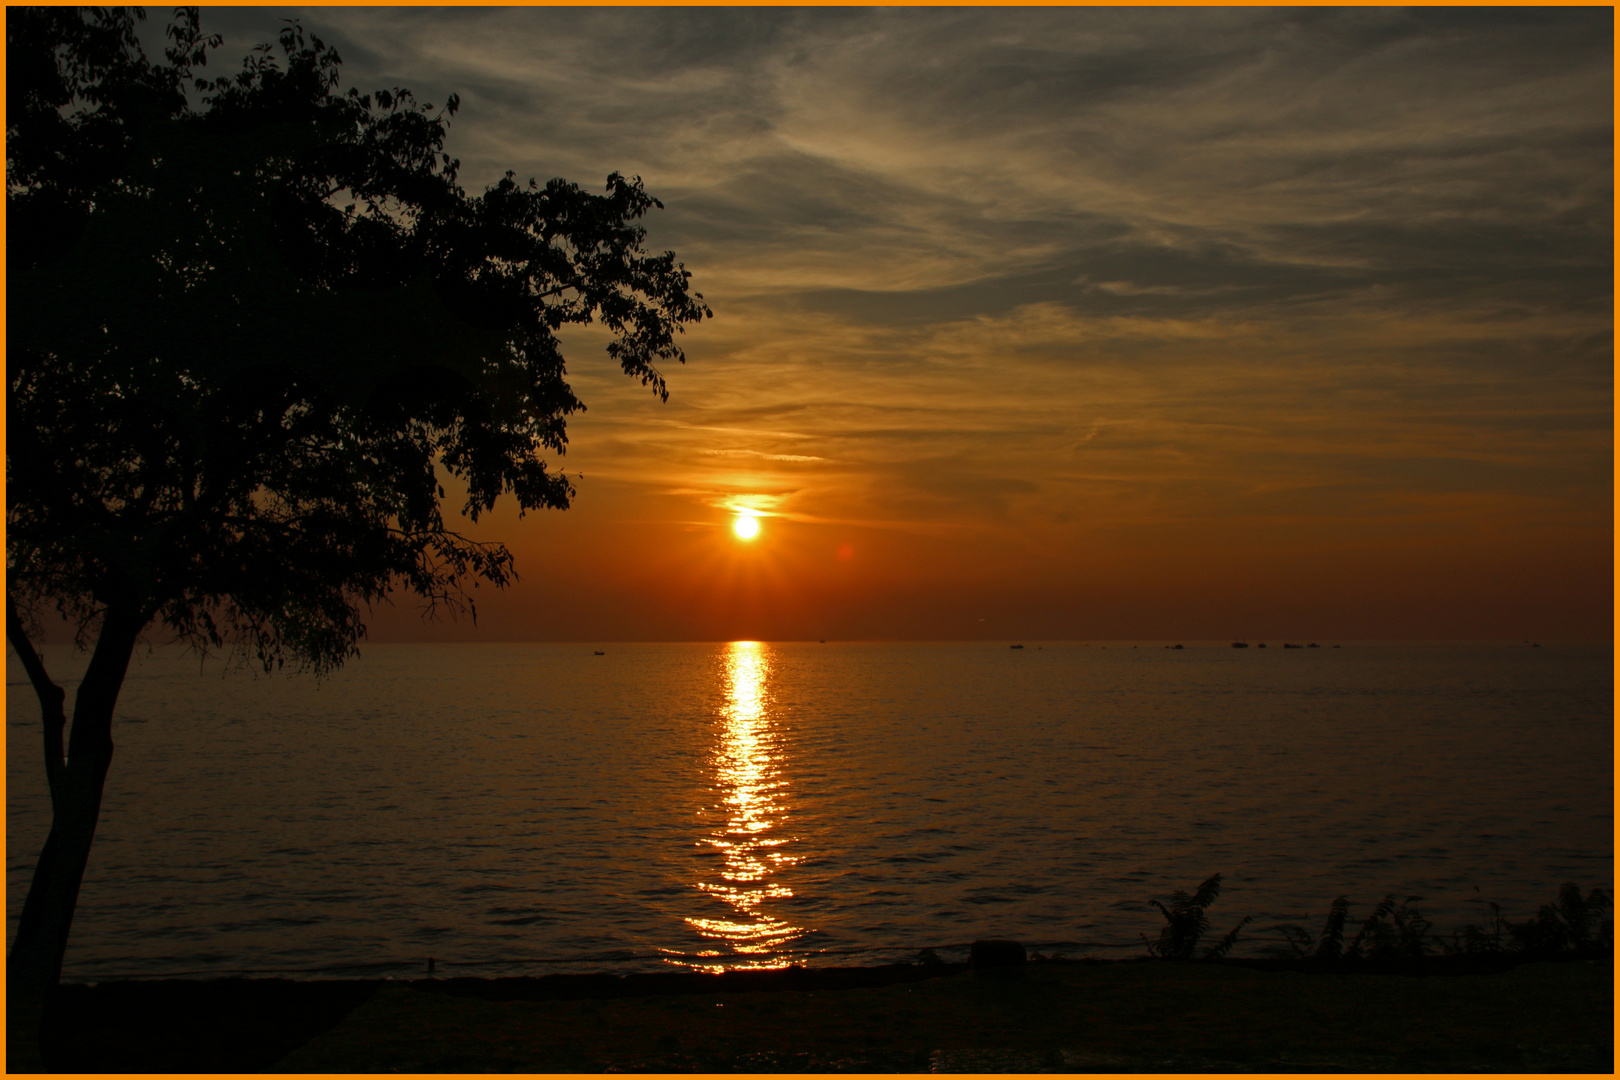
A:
x: 1466, y: 1013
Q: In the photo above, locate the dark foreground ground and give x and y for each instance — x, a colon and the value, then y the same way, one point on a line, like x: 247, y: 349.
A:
x: 1122, y: 1016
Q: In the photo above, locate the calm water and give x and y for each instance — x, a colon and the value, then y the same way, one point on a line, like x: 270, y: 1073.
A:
x: 513, y: 809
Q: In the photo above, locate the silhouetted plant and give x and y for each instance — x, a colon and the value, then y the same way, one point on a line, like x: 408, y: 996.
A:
x: 1391, y: 932
x: 1473, y: 939
x: 1574, y: 924
x: 1329, y: 945
x: 1186, y: 922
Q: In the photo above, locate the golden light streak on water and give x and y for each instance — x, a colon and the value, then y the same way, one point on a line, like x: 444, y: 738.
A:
x: 748, y: 770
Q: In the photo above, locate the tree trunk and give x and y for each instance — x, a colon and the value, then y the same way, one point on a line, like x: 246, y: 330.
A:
x: 35, y: 964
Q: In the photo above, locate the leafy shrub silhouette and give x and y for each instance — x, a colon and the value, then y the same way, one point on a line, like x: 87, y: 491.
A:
x: 1473, y: 939
x: 1391, y: 932
x: 1574, y: 924
x: 1329, y: 945
x: 1186, y: 922
x: 1400, y: 932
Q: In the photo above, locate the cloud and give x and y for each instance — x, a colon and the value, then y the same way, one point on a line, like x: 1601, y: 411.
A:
x: 1083, y: 270
x: 974, y: 152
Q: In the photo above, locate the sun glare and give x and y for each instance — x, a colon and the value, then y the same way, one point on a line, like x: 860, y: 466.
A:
x: 746, y: 526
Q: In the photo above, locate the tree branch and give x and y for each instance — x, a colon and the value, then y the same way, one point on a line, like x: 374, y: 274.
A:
x: 51, y: 701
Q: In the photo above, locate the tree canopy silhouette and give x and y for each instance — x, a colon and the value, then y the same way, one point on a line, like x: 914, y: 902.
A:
x: 254, y: 322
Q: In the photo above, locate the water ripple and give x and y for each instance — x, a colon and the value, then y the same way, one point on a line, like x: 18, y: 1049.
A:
x: 532, y: 808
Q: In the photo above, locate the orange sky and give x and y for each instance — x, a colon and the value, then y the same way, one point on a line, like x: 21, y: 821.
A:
x: 1066, y: 323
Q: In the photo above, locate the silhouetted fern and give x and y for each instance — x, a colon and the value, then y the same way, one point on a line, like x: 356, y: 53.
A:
x: 1471, y: 939
x: 1401, y: 933
x: 1574, y: 924
x: 1186, y: 922
x: 1391, y: 932
x: 1329, y: 945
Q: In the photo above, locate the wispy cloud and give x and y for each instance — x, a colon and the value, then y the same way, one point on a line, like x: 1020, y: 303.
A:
x: 1069, y: 277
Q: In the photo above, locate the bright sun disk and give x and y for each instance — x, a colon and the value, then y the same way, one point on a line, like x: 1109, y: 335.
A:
x: 745, y: 526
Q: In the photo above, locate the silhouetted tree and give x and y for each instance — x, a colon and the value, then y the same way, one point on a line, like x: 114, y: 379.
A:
x: 253, y: 321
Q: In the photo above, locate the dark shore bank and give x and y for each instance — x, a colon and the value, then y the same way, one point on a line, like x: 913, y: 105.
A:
x: 1458, y: 1014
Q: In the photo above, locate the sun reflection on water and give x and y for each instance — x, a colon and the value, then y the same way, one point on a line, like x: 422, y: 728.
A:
x: 753, y: 839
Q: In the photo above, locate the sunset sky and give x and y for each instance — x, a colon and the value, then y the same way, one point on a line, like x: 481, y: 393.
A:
x: 1050, y: 323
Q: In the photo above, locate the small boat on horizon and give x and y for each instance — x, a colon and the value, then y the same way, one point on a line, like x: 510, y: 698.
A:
x: 1015, y: 646
x: 1240, y: 644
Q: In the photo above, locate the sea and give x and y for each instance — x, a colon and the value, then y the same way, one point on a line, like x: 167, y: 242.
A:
x: 523, y: 809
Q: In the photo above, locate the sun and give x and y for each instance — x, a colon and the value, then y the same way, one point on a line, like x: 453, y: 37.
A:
x: 746, y: 526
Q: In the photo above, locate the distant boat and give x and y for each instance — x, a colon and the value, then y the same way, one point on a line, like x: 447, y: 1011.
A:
x: 1241, y: 645
x: 601, y: 654
x: 1015, y: 646
x: 1291, y: 645
x: 1313, y: 645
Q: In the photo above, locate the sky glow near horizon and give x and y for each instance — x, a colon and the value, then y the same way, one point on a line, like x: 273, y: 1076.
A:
x: 1063, y: 322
